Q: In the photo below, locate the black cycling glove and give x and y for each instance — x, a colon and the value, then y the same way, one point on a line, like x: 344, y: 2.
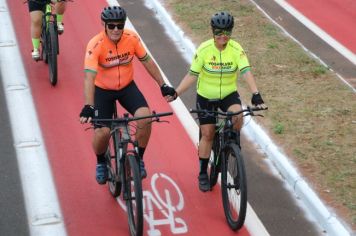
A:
x: 87, y: 111
x: 257, y: 99
x: 167, y: 90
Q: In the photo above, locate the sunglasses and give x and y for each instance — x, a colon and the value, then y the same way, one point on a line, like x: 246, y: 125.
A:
x: 220, y: 32
x: 113, y: 26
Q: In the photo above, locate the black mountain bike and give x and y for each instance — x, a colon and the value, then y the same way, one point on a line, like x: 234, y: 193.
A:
x: 123, y: 164
x: 49, y: 42
x: 228, y: 160
x: 49, y: 47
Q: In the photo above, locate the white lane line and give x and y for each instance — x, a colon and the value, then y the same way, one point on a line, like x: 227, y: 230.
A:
x: 42, y: 205
x: 318, y: 31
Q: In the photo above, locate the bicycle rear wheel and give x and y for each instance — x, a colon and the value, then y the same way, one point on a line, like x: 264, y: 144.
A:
x: 233, y: 186
x: 133, y: 195
x: 214, y: 162
x: 112, y: 160
x: 52, y: 51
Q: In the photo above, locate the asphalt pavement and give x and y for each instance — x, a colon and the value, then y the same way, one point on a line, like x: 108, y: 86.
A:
x: 269, y: 196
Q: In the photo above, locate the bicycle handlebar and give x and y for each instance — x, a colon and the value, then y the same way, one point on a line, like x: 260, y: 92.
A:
x: 126, y: 119
x: 249, y: 111
x: 47, y: 1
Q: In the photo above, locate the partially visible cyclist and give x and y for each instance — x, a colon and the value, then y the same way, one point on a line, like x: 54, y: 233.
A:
x: 37, y: 9
x: 216, y: 66
x: 109, y: 78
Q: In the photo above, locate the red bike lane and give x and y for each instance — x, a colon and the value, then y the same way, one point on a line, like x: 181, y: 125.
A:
x: 337, y: 18
x: 173, y: 203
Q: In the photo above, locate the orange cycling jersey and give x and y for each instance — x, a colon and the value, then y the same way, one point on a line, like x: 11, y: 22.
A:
x: 112, y: 62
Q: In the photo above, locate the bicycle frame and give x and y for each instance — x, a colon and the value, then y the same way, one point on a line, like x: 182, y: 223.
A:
x: 48, y: 14
x: 126, y: 145
x: 223, y: 129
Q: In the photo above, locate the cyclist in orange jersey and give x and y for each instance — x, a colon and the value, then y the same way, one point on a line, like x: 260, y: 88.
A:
x: 109, y: 78
x: 37, y: 9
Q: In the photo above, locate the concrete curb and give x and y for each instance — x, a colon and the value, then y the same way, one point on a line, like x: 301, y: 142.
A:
x: 315, y: 206
x: 41, y: 201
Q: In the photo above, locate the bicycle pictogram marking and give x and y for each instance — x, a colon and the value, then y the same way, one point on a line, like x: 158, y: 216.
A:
x: 161, y: 205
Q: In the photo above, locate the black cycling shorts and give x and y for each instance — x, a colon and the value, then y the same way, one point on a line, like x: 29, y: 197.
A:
x: 129, y: 98
x: 224, y: 104
x: 38, y: 5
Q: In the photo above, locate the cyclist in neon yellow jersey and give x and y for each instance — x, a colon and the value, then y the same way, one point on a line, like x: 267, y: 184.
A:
x: 215, y: 69
x: 37, y: 9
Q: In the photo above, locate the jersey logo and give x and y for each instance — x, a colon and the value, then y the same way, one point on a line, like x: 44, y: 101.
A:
x: 220, y: 66
x: 88, y: 54
x: 122, y: 57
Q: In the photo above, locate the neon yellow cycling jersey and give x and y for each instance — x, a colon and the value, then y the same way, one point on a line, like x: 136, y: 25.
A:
x: 217, y: 70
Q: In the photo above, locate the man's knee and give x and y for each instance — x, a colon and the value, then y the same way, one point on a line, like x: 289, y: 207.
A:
x: 142, y: 111
x: 208, y: 136
x: 101, y: 139
x: 36, y: 18
x: 143, y: 124
x: 101, y: 133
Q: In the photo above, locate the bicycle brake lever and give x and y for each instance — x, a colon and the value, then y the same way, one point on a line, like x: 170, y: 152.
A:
x: 88, y: 128
x: 154, y: 119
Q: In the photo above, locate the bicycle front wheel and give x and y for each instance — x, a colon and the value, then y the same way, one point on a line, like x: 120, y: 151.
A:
x: 52, y: 50
x: 233, y: 186
x: 112, y: 160
x: 133, y: 195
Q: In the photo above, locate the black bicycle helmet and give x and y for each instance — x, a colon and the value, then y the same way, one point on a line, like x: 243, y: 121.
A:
x: 222, y: 20
x: 114, y: 13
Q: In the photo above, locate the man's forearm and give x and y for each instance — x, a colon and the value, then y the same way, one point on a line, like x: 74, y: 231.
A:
x: 89, y: 88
